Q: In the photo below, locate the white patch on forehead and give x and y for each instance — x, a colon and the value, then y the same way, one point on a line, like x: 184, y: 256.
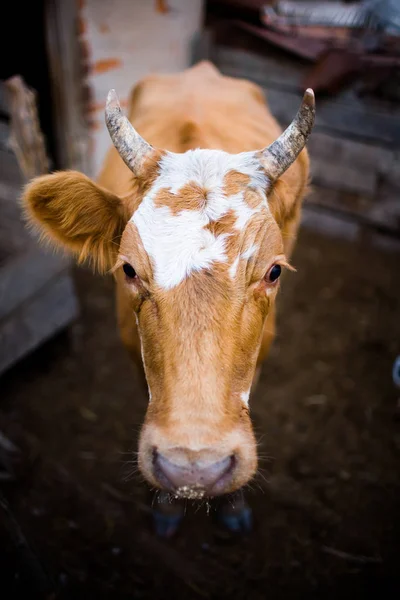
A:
x: 208, y: 168
x: 179, y: 244
x: 244, y: 396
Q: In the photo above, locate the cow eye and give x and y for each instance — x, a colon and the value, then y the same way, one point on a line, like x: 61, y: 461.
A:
x: 129, y: 271
x: 273, y: 274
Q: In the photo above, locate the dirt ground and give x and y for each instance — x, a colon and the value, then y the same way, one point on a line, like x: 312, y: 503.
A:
x: 326, y: 500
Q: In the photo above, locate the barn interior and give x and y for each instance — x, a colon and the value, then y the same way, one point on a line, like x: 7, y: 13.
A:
x: 75, y: 514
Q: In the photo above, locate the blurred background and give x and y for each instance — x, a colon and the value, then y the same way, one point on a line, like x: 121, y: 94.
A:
x: 74, y: 514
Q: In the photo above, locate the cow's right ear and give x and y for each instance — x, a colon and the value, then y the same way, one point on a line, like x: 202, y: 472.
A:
x: 72, y: 211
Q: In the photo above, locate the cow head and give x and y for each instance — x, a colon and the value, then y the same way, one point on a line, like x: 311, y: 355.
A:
x: 197, y: 249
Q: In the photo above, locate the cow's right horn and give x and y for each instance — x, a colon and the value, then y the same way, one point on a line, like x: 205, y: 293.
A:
x: 131, y: 147
x: 279, y: 155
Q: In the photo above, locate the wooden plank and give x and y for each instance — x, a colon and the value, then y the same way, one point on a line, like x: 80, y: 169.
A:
x: 359, y: 155
x: 36, y: 289
x: 26, y: 138
x: 325, y: 201
x: 67, y: 79
x: 25, y: 273
x: 273, y: 69
x: 351, y: 203
x: 276, y: 69
x: 36, y: 320
x: 380, y: 129
x: 10, y: 172
x: 332, y: 224
x: 13, y: 235
x: 331, y: 117
x: 329, y: 224
x: 347, y: 165
x: 343, y: 177
x: 4, y: 136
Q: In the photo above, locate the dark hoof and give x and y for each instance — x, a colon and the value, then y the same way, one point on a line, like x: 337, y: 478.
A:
x: 240, y: 521
x: 166, y: 525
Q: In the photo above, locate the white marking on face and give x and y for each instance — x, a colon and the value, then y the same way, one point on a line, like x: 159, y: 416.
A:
x: 245, y: 397
x: 179, y: 244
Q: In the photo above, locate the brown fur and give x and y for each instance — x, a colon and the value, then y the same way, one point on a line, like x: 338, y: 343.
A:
x: 191, y: 197
x: 203, y: 339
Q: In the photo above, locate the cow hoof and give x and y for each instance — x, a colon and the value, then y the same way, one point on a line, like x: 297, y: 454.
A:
x: 240, y: 521
x: 166, y: 525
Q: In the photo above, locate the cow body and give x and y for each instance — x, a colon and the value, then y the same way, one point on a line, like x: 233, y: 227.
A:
x: 196, y: 232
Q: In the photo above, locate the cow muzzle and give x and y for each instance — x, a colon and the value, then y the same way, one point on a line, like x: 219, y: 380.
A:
x: 199, y: 467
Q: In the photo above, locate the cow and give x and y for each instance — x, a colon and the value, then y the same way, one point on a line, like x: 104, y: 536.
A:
x: 195, y: 213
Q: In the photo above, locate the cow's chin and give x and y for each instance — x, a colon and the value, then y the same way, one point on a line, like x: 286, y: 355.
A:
x: 190, y: 467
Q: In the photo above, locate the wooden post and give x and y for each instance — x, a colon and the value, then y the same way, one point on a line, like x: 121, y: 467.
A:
x: 26, y: 138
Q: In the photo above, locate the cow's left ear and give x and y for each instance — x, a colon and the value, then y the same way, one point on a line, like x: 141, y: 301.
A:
x: 74, y: 212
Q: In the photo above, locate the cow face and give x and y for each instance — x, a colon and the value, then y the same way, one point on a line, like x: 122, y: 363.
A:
x: 197, y: 252
x: 200, y: 259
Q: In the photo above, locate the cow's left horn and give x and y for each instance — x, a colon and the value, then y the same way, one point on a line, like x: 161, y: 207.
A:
x: 131, y: 147
x: 278, y: 157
